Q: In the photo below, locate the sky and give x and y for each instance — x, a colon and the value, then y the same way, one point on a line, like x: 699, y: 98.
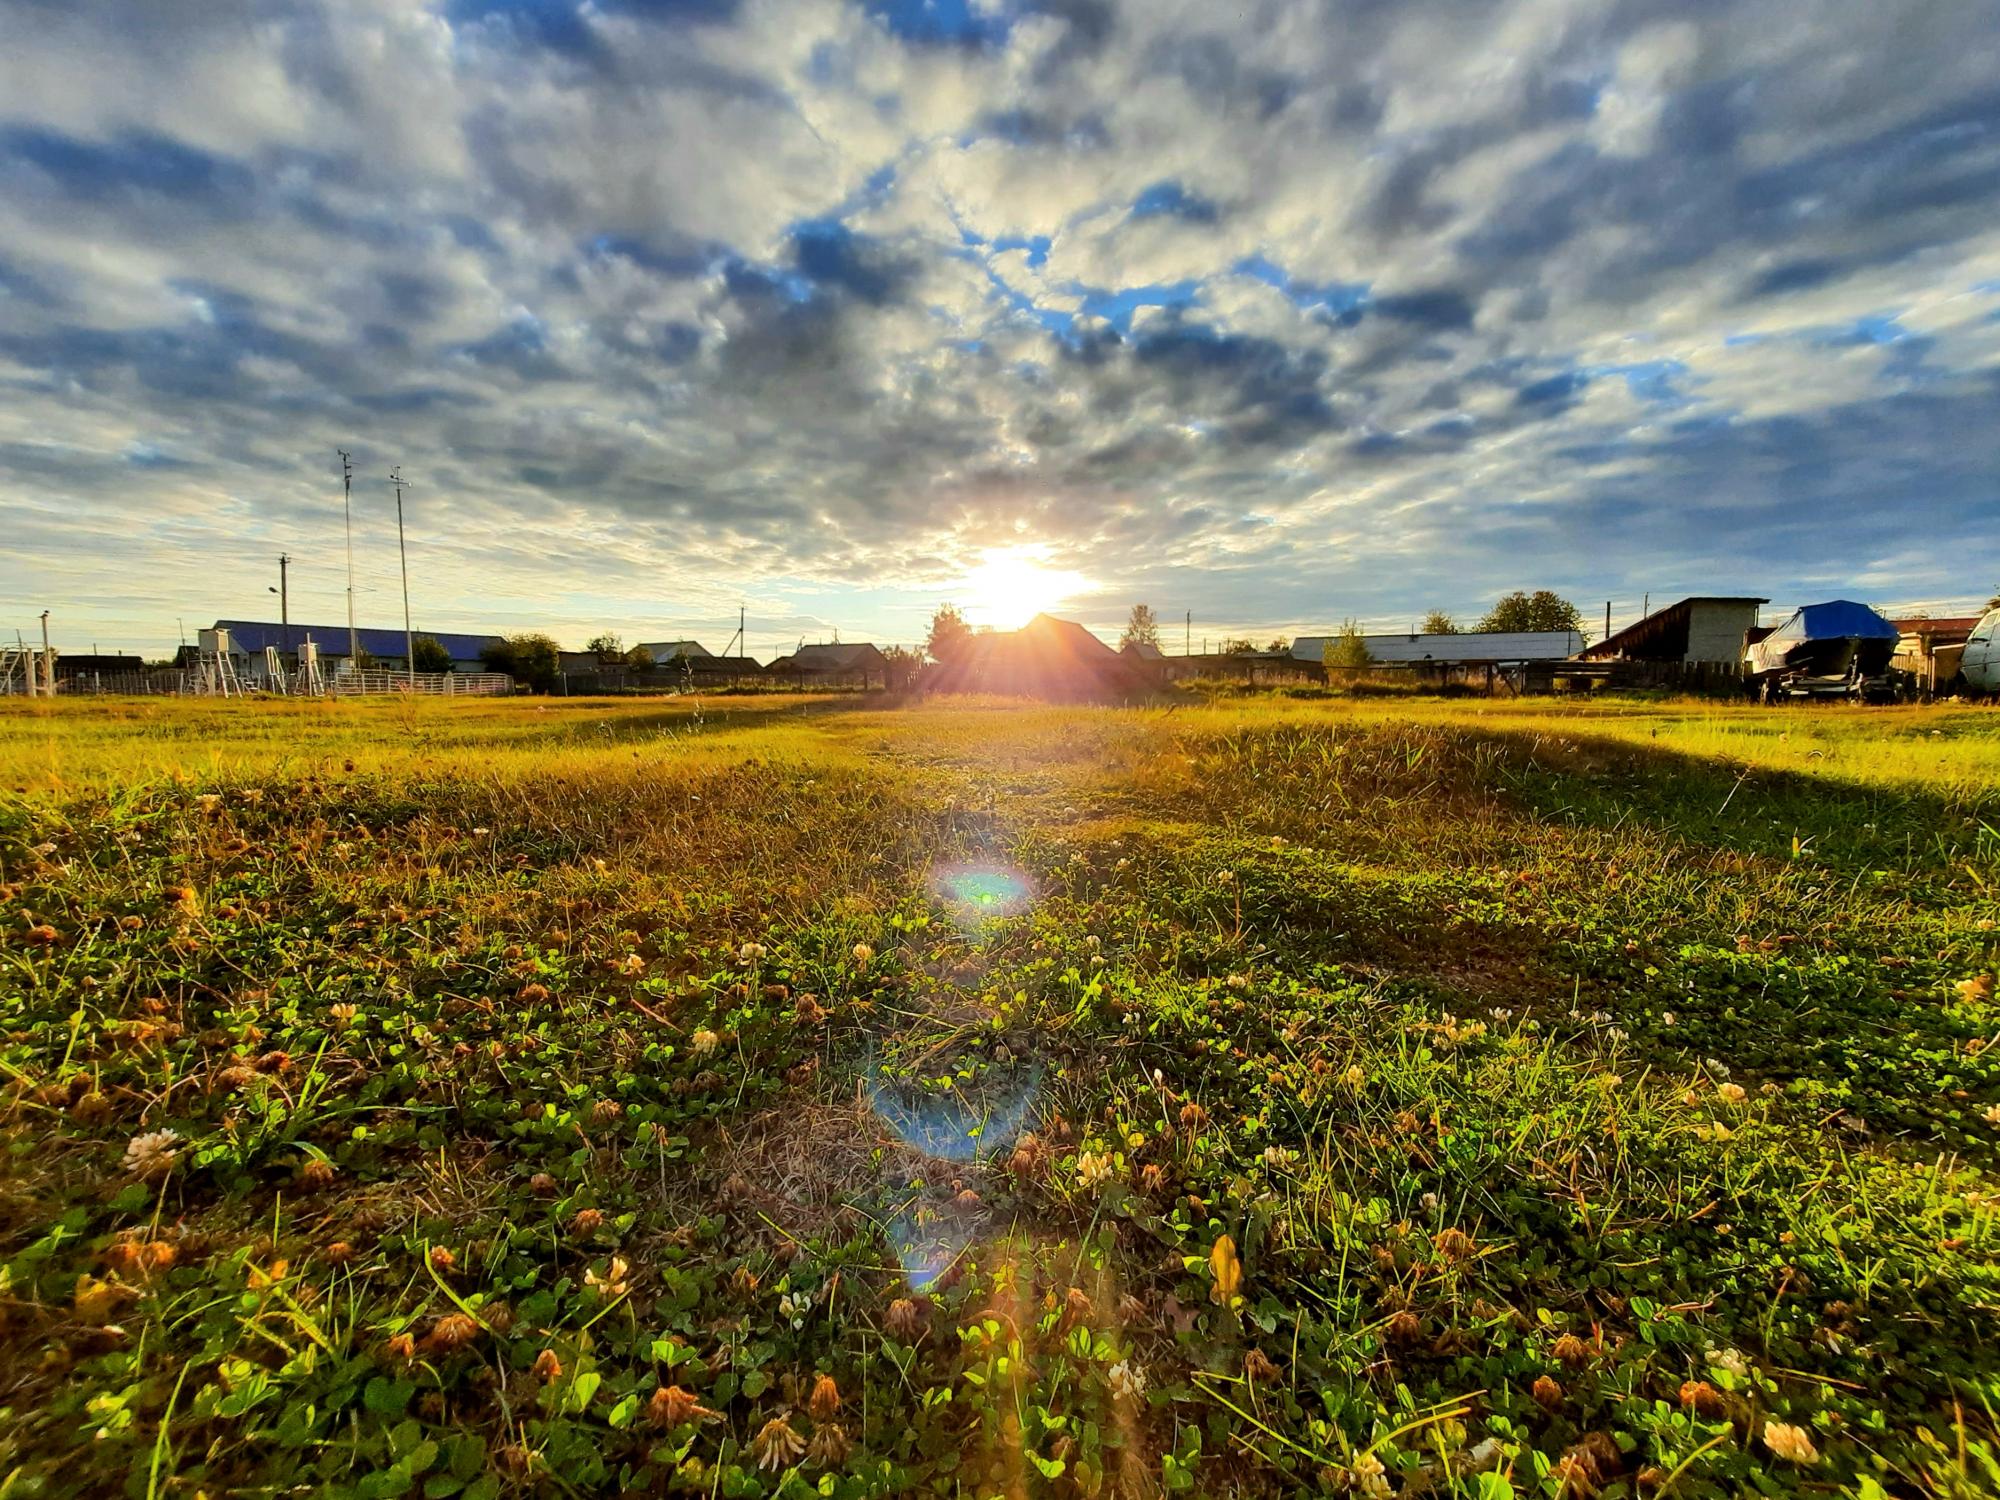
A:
x: 1272, y: 314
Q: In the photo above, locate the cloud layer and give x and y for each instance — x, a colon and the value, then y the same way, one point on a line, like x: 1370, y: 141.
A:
x: 1276, y: 313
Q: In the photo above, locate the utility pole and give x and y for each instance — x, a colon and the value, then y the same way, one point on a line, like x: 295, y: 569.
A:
x: 1187, y: 634
x: 742, y: 646
x: 283, y: 592
x: 347, y: 508
x: 1607, y: 619
x: 48, y: 661
x: 409, y: 641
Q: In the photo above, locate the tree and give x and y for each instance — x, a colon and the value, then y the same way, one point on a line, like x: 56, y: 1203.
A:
x: 606, y: 644
x: 1541, y: 610
x: 1238, y: 645
x: 639, y: 659
x: 1348, y: 650
x: 1437, y: 622
x: 531, y: 658
x: 1994, y: 602
x: 1280, y: 644
x: 428, y: 656
x: 949, y: 636
x: 1143, y: 629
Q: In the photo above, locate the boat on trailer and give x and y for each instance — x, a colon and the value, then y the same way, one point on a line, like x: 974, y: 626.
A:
x: 1839, y: 649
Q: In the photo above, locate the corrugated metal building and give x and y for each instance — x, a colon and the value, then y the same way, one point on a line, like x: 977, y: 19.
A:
x: 1704, y: 628
x: 1465, y: 648
x: 250, y: 637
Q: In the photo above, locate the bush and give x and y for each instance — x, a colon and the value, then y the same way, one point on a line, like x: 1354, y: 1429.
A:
x: 426, y: 655
x: 531, y: 659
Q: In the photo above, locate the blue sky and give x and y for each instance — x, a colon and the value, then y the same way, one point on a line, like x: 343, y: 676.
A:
x: 1278, y: 313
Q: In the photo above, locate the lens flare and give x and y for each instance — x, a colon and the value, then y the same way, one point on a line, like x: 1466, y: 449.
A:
x: 975, y: 895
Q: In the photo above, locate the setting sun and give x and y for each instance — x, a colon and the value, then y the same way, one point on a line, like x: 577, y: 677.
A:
x: 1012, y: 585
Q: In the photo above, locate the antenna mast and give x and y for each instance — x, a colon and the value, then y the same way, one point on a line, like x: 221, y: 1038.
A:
x: 409, y: 641
x: 347, y: 509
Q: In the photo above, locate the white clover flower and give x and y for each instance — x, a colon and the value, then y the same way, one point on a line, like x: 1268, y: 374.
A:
x: 1127, y: 1380
x: 151, y: 1155
x: 749, y: 953
x: 1093, y: 1168
x: 863, y: 954
x: 1793, y: 1444
x: 704, y: 1042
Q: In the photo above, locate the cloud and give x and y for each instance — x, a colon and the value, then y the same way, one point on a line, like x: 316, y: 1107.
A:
x: 1281, y: 314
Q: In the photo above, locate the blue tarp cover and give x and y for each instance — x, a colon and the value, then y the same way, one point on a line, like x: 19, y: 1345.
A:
x: 1837, y: 619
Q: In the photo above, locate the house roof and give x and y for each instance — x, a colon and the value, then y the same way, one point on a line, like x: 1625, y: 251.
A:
x: 1045, y: 658
x: 1938, y: 627
x: 852, y: 656
x: 1646, y: 633
x: 668, y: 650
x: 1071, y: 634
x: 1144, y: 650
x: 252, y: 636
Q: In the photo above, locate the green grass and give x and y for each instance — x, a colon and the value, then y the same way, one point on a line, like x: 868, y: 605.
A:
x: 1251, y: 1097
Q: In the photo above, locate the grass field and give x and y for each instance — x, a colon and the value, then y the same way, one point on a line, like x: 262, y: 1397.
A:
x: 797, y: 1096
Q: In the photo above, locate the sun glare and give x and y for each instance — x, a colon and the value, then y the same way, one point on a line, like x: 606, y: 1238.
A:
x: 1012, y: 585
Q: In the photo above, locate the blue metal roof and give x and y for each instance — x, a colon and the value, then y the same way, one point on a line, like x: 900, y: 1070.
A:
x: 253, y: 636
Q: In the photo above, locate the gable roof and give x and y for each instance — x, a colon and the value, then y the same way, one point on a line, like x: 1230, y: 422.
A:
x: 668, y: 650
x: 1072, y: 636
x: 252, y: 636
x: 853, y: 656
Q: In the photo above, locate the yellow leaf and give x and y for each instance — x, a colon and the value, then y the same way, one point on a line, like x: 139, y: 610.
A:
x: 96, y: 1301
x: 1227, y: 1270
